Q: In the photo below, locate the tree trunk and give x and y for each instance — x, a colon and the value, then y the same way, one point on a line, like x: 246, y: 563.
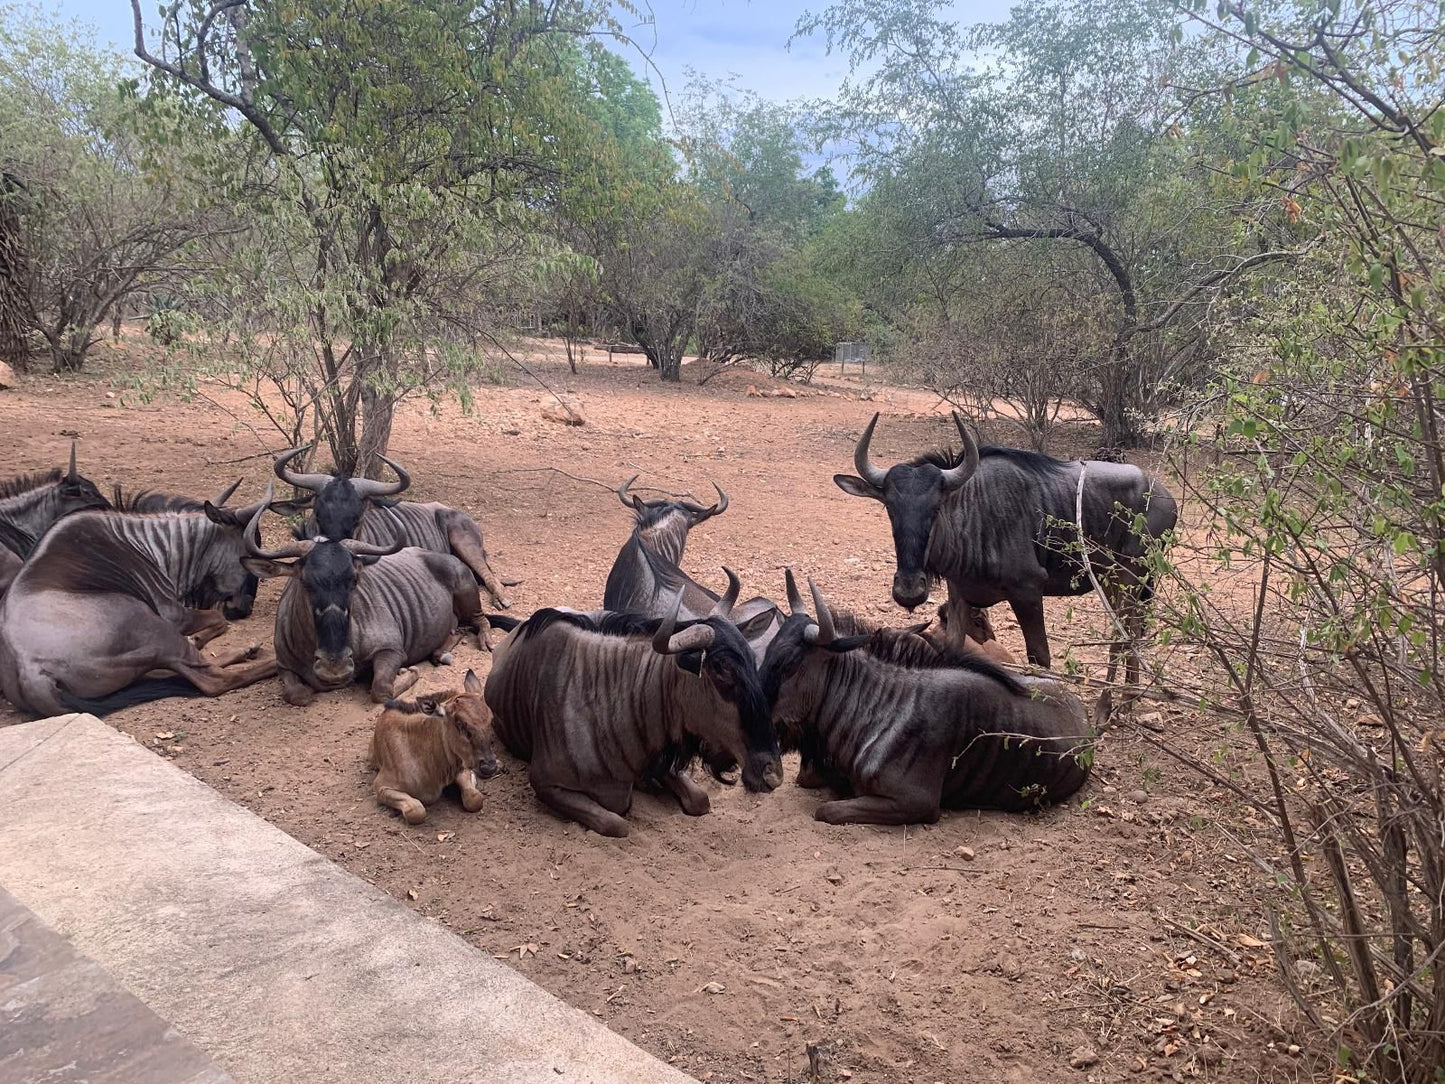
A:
x: 1116, y: 410
x: 669, y: 365
x: 14, y: 279
x: 377, y: 410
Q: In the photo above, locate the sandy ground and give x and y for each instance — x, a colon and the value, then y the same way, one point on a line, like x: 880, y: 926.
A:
x: 987, y: 948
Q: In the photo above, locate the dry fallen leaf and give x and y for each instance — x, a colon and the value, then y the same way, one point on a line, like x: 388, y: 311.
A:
x: 442, y: 837
x: 1249, y: 942
x: 411, y: 893
x: 713, y: 988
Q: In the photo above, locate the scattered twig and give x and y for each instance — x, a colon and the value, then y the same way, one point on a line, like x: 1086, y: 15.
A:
x: 950, y: 869
x: 1204, y: 939
x: 263, y: 454
x: 593, y: 481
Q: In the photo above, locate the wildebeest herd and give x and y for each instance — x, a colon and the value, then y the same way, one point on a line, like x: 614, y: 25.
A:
x: 108, y: 603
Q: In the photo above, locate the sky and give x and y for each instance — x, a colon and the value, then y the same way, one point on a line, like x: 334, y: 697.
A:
x: 744, y: 41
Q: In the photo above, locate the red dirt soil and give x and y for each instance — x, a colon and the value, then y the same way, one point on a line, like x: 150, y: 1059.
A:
x: 988, y: 948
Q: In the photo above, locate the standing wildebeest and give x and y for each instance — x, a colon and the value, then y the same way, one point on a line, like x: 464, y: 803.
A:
x: 355, y: 508
x: 108, y: 596
x: 422, y: 746
x: 353, y: 604
x: 1000, y: 524
x: 907, y: 728
x: 31, y: 503
x: 647, y: 571
x: 597, y: 702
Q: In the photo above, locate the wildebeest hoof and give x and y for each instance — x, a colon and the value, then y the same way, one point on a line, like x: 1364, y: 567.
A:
x: 300, y: 699
x: 443, y: 659
x: 502, y: 601
x: 251, y: 651
x: 413, y: 812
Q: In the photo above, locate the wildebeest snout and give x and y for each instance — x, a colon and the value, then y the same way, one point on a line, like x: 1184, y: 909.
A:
x: 488, y: 766
x: 910, y: 589
x: 334, y: 669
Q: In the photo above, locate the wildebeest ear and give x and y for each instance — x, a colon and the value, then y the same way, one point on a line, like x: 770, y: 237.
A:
x: 472, y: 684
x: 856, y: 487
x: 268, y: 569
x: 758, y: 624
x: 226, y: 517
x: 360, y: 561
x: 846, y: 643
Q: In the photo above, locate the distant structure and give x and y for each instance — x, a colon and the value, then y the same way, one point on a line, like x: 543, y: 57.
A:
x: 843, y: 353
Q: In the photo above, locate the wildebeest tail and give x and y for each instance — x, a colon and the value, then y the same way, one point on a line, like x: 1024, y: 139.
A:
x: 140, y: 692
x: 503, y: 622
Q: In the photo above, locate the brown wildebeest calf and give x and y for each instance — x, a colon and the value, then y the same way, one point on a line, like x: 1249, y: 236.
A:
x: 419, y: 746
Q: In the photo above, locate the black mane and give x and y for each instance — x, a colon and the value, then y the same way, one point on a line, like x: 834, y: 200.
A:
x: 24, y: 483
x: 150, y: 500
x: 608, y: 624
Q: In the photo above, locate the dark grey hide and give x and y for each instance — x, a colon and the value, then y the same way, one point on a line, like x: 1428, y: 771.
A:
x: 359, y: 508
x: 999, y: 524
x: 353, y: 606
x: 32, y: 503
x: 647, y: 572
x: 901, y: 728
x: 108, y: 596
x: 599, y: 702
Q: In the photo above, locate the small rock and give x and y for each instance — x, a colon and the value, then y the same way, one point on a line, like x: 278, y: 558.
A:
x: 713, y: 988
x: 753, y: 391
x: 1009, y: 967
x: 1308, y: 970
x: 1151, y: 719
x: 629, y: 965
x: 783, y: 393
x: 1083, y: 1057
x: 7, y: 376
x: 1078, y: 955
x: 1225, y: 976
x: 563, y: 414
x: 1138, y: 797
x: 966, y: 853
x: 511, y: 432
x: 835, y: 878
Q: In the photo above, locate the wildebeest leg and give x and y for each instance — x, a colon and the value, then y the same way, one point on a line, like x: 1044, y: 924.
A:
x: 442, y: 656
x: 294, y: 690
x: 466, y: 543
x: 467, y: 606
x: 203, y: 626
x: 240, y: 654
x: 875, y: 809
x: 809, y: 776
x: 412, y: 811
x: 467, y: 783
x: 388, y: 680
x: 213, y: 680
x: 1030, y: 612
x: 581, y: 808
x: 690, y: 796
x: 965, y: 621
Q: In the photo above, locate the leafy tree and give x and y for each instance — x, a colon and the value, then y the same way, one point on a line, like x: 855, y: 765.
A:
x: 399, y: 151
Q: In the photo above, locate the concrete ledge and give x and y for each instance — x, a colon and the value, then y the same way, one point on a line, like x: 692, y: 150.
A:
x: 276, y: 963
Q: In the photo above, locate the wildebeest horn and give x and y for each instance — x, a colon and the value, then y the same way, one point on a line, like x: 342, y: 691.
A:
x: 314, y: 482
x: 74, y: 475
x: 630, y: 502
x: 956, y: 476
x: 252, y: 534
x: 862, y: 464
x: 724, y: 607
x: 227, y: 493
x: 825, y: 632
x: 692, y: 638
x: 707, y: 513
x: 358, y: 548
x: 796, y: 605
x: 368, y: 487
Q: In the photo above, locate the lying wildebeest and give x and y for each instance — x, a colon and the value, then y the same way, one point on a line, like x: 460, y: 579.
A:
x: 240, y: 604
x: 357, y: 508
x: 906, y: 728
x: 32, y: 503
x: 353, y: 604
x: 422, y: 746
x: 1000, y: 524
x: 647, y: 571
x: 598, y: 702
x: 108, y: 596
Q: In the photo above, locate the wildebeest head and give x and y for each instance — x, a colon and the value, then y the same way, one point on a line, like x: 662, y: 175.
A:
x: 340, y: 500
x: 912, y: 493
x: 327, y: 570
x: 78, y: 493
x: 652, y: 513
x: 804, y: 639
x: 716, y: 651
x: 469, y: 713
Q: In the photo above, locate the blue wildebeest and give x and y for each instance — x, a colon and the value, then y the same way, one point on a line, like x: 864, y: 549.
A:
x: 240, y: 604
x: 905, y: 728
x: 358, y: 508
x: 353, y: 605
x: 108, y: 596
x: 601, y: 701
x: 999, y: 524
x: 647, y: 571
x: 31, y: 503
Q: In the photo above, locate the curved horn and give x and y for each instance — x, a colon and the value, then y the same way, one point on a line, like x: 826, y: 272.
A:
x: 368, y: 487
x: 826, y: 633
x: 73, y: 474
x: 314, y: 482
x: 796, y: 605
x: 862, y: 464
x: 724, y: 607
x: 227, y: 493
x: 956, y: 476
x: 692, y: 638
x: 358, y: 548
x: 629, y: 502
x: 716, y: 509
x: 253, y: 531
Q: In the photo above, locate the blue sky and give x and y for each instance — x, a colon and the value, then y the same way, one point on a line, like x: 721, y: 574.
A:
x: 742, y: 40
